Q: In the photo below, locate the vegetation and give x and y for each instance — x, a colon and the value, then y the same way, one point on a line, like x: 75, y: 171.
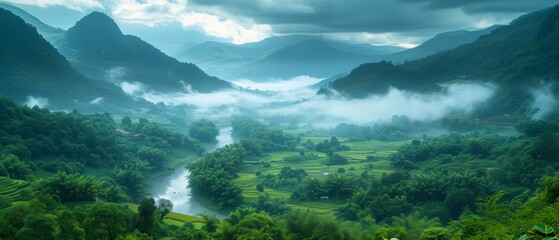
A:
x: 69, y: 175
x: 203, y: 130
x: 431, y: 191
x: 506, y: 56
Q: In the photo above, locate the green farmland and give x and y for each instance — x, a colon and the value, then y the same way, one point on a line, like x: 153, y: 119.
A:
x: 316, y: 168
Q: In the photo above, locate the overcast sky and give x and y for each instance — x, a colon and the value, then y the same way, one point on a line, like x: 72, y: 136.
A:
x: 384, y: 22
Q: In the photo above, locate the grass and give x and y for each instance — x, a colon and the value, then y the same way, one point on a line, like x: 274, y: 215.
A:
x: 173, y: 218
x: 247, y: 179
x: 12, y: 187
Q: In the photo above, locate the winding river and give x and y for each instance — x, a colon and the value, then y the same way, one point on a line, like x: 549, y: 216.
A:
x: 175, y: 186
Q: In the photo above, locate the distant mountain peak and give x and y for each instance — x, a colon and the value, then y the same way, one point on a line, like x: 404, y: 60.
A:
x: 97, y: 21
x: 95, y: 26
x: 97, y: 36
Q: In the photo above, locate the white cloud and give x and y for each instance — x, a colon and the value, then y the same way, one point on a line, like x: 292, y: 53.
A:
x: 132, y: 88
x: 96, y: 101
x: 156, y: 12
x: 36, y: 101
x: 544, y: 101
x: 391, y: 39
x: 278, y: 84
x: 216, y: 26
x: 150, y: 12
x: 302, y: 102
x: 79, y: 5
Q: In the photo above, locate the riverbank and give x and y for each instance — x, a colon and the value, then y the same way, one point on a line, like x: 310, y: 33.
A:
x: 174, y: 186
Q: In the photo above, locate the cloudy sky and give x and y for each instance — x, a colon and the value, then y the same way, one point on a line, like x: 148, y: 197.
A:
x: 385, y: 22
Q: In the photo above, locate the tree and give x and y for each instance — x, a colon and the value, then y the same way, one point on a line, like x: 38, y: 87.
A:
x: 189, y: 232
x: 435, y: 233
x: 38, y: 226
x: 14, y: 167
x: 211, y: 222
x: 126, y: 121
x: 258, y: 226
x: 105, y: 221
x: 146, y: 216
x: 154, y: 156
x: 459, y: 199
x: 415, y: 223
x: 336, y: 159
x: 164, y: 206
x: 203, y: 130
x: 68, y: 227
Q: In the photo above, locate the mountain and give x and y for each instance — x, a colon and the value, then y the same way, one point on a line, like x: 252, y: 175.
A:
x: 441, y: 42
x: 282, y: 57
x: 326, y: 82
x: 516, y: 57
x: 31, y: 67
x: 50, y: 33
x: 97, y: 48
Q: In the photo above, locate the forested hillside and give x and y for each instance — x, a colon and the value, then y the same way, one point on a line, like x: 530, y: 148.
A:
x: 516, y: 57
x: 31, y: 67
x: 37, y: 141
x: 97, y: 48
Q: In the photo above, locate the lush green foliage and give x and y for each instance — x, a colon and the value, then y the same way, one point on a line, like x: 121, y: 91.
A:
x: 203, y: 130
x: 262, y: 137
x: 210, y: 176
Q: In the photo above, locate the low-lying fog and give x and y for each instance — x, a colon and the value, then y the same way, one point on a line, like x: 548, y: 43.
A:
x: 297, y: 98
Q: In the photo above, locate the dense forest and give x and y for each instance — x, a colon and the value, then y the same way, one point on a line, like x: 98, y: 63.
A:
x: 459, y: 185
x: 54, y: 166
x: 454, y: 186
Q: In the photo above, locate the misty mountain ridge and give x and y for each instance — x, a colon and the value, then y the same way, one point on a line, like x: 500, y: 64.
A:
x: 50, y: 33
x: 96, y: 47
x: 31, y: 67
x: 281, y: 57
x: 441, y: 42
x: 517, y: 57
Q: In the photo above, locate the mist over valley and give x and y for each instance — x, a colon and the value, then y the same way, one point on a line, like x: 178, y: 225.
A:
x: 164, y: 119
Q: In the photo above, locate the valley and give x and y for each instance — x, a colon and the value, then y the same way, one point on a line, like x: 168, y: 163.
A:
x: 263, y: 128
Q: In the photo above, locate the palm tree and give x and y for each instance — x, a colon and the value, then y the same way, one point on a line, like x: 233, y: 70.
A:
x: 415, y: 223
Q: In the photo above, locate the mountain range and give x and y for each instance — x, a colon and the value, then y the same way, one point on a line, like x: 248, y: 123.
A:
x: 441, y: 42
x: 282, y: 57
x: 50, y: 33
x: 518, y: 58
x: 30, y: 67
x: 96, y: 47
x: 285, y: 57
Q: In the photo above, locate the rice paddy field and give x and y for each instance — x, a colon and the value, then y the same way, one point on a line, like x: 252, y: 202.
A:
x: 11, y: 187
x: 357, y: 156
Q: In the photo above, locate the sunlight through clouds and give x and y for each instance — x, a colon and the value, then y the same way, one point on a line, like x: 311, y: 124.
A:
x: 226, y: 28
x: 79, y: 5
x: 155, y: 12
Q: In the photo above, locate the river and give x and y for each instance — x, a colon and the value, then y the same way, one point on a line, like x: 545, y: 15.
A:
x: 175, y: 186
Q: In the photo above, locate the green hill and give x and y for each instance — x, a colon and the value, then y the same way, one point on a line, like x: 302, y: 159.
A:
x: 516, y: 57
x: 96, y: 46
x: 31, y: 66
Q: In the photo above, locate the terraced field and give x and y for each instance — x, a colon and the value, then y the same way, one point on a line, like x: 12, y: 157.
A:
x: 174, y: 218
x: 11, y: 187
x: 247, y: 179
